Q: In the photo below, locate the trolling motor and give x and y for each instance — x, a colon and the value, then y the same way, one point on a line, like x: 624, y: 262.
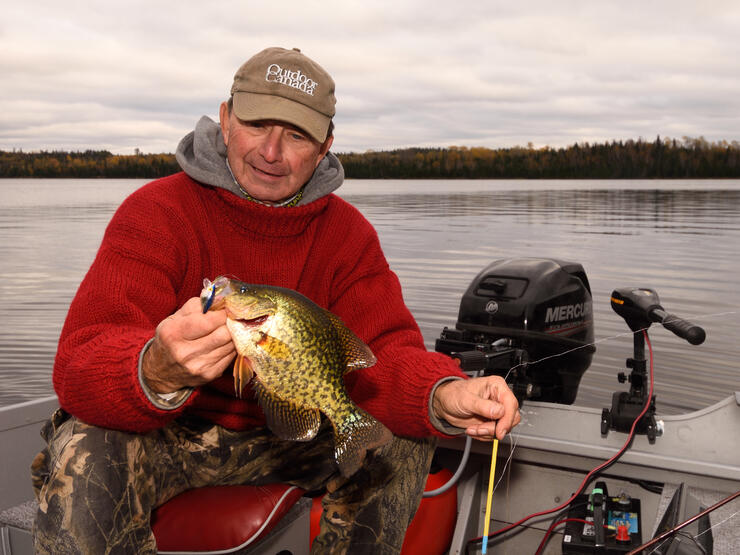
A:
x: 640, y: 308
x: 529, y: 320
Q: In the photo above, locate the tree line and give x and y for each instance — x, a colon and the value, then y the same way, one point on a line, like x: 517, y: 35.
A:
x: 687, y: 158
x: 661, y: 158
x: 88, y: 163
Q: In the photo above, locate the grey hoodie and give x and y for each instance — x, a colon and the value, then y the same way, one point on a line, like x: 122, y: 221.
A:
x: 202, y: 155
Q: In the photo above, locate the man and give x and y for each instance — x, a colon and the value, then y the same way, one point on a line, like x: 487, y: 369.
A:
x: 142, y: 374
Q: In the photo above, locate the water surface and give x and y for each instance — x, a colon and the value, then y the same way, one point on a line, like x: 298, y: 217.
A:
x: 681, y: 238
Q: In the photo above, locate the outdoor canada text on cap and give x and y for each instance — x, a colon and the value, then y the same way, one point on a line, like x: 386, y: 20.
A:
x: 285, y: 85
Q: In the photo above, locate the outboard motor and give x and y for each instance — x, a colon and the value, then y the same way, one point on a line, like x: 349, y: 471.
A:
x: 529, y: 320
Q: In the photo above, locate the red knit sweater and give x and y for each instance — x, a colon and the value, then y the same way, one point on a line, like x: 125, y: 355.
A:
x: 169, y: 235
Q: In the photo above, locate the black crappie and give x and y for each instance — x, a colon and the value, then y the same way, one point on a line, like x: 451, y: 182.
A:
x: 297, y: 353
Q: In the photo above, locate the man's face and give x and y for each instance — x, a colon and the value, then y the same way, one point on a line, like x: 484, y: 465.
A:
x: 270, y: 159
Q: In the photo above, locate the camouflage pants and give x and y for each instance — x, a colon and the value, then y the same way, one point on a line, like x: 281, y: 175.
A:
x: 97, y: 487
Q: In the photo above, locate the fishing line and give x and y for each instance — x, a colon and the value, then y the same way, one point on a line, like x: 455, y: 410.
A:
x: 718, y: 524
x: 464, y: 461
x: 675, y: 529
x: 607, y: 463
x: 609, y: 338
x: 660, y: 546
x: 507, y: 472
x: 592, y: 344
x: 512, y: 440
x: 492, y: 487
x: 597, y: 469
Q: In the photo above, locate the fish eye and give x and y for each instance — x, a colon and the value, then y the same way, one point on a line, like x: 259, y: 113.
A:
x: 243, y: 289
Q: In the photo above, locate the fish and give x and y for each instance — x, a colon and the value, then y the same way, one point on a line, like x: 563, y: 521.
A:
x: 295, y: 355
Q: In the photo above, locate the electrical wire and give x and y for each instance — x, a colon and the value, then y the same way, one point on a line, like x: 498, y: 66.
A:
x: 563, y: 521
x: 456, y: 476
x: 460, y: 467
x: 564, y: 512
x: 596, y: 470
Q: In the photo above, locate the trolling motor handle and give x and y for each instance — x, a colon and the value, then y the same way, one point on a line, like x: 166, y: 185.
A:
x: 682, y: 328
x: 641, y: 306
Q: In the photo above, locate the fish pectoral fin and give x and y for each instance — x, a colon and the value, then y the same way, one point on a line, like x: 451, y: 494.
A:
x: 356, y: 435
x: 243, y: 372
x: 358, y: 354
x: 287, y: 419
x: 274, y: 347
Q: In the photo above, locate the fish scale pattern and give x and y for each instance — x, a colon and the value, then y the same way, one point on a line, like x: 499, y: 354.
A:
x: 299, y: 353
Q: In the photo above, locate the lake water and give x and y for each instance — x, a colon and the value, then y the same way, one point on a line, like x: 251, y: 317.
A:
x: 681, y: 238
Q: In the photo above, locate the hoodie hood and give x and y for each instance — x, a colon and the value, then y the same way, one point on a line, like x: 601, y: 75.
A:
x: 202, y: 155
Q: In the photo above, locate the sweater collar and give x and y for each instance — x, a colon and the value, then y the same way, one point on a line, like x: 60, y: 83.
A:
x: 274, y: 221
x: 292, y: 201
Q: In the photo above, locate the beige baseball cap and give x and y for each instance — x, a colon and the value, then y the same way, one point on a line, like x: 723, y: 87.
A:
x: 285, y: 85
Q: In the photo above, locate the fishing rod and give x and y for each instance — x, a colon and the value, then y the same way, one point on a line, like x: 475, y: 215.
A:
x: 675, y: 529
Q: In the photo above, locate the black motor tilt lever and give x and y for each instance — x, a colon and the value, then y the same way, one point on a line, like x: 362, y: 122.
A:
x: 641, y: 307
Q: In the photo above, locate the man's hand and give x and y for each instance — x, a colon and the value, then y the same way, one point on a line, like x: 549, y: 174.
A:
x: 484, y: 407
x: 189, y: 349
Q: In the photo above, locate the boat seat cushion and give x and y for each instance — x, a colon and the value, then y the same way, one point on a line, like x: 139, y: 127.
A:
x: 219, y: 518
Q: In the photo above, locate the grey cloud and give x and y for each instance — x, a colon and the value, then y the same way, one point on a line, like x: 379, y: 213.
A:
x: 408, y: 73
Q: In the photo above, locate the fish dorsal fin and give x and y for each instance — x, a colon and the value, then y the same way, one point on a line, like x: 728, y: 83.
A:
x: 286, y: 419
x: 357, y: 352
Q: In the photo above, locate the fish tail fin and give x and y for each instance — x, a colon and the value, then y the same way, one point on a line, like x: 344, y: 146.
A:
x: 354, y: 436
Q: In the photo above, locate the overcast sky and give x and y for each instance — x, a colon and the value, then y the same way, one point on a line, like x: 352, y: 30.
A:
x: 139, y: 74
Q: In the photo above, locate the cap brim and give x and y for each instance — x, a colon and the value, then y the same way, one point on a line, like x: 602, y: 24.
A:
x: 255, y: 106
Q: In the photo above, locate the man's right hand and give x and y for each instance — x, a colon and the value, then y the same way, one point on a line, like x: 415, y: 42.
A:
x: 189, y: 349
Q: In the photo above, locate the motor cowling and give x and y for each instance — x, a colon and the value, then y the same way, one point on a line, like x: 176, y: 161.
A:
x: 542, y: 309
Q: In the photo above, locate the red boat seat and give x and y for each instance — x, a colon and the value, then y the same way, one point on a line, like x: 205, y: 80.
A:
x: 224, y: 519
x: 233, y: 519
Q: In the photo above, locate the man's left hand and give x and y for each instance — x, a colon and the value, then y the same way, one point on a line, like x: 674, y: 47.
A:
x: 484, y: 407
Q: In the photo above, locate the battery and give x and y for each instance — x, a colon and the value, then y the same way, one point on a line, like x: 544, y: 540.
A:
x: 620, y: 514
